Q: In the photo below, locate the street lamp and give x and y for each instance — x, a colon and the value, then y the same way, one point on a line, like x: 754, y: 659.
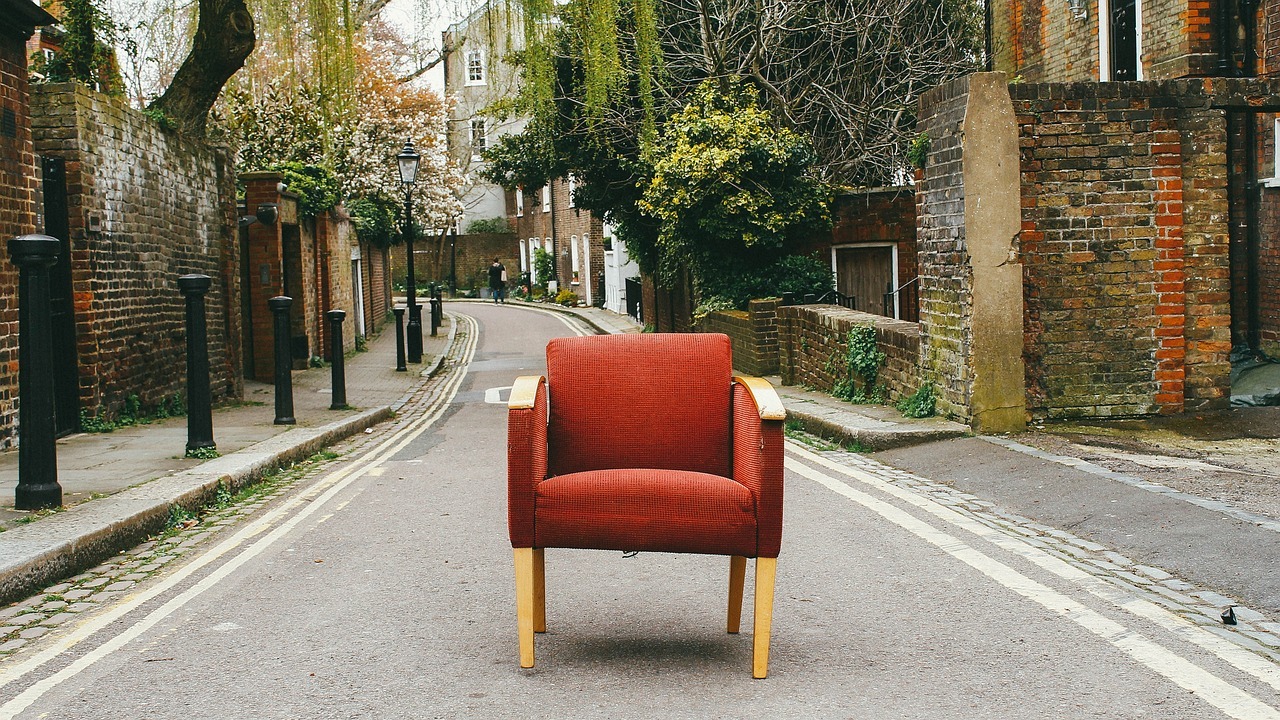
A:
x: 408, y: 161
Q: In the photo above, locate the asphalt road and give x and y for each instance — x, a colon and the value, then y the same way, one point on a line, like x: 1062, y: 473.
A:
x: 383, y: 588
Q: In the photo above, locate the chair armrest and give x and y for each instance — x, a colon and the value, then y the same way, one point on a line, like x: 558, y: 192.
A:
x: 526, y: 454
x: 757, y: 456
x: 764, y: 396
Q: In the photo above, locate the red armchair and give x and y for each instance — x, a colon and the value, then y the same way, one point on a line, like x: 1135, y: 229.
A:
x: 645, y: 442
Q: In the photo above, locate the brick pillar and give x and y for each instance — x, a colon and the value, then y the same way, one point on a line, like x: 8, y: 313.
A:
x: 764, y: 330
x: 266, y: 278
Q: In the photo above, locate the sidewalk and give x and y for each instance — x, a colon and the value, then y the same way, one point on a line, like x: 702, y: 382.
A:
x: 118, y: 486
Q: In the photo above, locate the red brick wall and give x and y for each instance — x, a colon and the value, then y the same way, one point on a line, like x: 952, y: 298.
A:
x: 166, y: 207
x: 813, y: 344
x: 753, y: 334
x: 17, y: 217
x: 1039, y: 40
x: 1124, y: 248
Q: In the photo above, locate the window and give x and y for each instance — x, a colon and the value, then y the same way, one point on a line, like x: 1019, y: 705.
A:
x: 546, y: 198
x: 1274, y: 180
x: 524, y: 258
x: 1120, y: 40
x: 573, y: 257
x: 573, y: 186
x: 475, y: 68
x: 479, y: 138
x: 519, y: 202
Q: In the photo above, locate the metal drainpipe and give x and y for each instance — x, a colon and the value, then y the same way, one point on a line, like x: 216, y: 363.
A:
x: 1253, y: 285
x: 1223, y: 23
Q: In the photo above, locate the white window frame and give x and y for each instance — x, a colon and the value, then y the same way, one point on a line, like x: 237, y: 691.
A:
x: 574, y: 258
x: 546, y: 198
x: 524, y: 258
x: 1104, y: 39
x: 534, y: 244
x: 520, y: 202
x: 474, y: 70
x: 1274, y: 180
x: 479, y: 141
x: 573, y: 185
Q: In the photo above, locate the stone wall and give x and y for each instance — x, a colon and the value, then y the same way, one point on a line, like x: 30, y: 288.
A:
x: 813, y: 342
x: 17, y: 212
x: 145, y: 206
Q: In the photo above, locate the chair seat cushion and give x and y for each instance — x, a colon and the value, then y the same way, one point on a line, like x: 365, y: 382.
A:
x: 645, y: 509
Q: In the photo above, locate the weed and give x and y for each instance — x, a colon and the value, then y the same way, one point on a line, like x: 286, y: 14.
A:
x: 862, y: 362
x: 362, y: 345
x: 223, y: 497
x: 180, y: 518
x: 854, y: 446
x: 53, y: 597
x: 204, y: 453
x: 920, y: 404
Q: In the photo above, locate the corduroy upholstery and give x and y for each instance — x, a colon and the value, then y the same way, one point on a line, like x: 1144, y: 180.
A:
x: 644, y: 442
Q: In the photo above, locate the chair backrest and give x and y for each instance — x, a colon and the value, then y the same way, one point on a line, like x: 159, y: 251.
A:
x: 640, y: 401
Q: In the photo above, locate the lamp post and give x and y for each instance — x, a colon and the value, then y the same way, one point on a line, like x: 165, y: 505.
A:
x: 408, y: 161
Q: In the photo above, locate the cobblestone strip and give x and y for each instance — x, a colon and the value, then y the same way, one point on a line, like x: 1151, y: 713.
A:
x: 27, y: 620
x: 1204, y: 607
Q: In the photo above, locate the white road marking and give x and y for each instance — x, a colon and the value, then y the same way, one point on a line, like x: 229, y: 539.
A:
x: 310, y: 501
x: 1231, y: 700
x: 1237, y: 656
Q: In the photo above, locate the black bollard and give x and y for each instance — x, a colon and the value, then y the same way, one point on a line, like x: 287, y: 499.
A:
x: 199, y: 397
x: 284, y: 363
x: 336, y: 360
x: 414, y: 333
x: 435, y: 309
x: 38, y: 486
x: 399, y: 311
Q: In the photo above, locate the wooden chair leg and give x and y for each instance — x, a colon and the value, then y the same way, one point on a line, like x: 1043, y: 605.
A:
x: 766, y: 569
x: 737, y: 577
x: 540, y: 590
x: 525, y: 604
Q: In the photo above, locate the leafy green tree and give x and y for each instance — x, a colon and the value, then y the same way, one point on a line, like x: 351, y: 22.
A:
x: 731, y: 191
x: 85, y: 55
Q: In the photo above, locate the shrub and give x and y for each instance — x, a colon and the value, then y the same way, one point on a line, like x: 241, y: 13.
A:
x: 795, y: 274
x: 567, y: 298
x: 489, y: 225
x: 920, y: 404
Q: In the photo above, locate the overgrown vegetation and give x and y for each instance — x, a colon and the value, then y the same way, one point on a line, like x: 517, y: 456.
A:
x: 567, y: 298
x: 86, y: 53
x: 132, y: 413
x: 489, y: 225
x: 861, y: 367
x: 919, y: 404
x: 544, y: 267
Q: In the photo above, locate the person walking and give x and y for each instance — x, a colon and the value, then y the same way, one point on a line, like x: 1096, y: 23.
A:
x: 498, y: 281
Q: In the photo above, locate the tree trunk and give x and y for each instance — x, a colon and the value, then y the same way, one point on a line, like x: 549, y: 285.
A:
x: 224, y: 38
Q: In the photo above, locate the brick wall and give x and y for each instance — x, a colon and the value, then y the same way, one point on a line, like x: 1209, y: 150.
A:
x: 1039, y: 40
x: 17, y: 216
x: 145, y: 206
x: 753, y: 332
x: 946, y: 274
x: 1124, y: 243
x: 813, y: 345
x: 475, y: 253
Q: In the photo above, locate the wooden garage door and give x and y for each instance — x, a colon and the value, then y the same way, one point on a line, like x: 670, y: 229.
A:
x: 867, y: 274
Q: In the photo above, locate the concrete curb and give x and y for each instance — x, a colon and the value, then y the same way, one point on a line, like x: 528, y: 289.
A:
x: 64, y: 544
x: 821, y: 422
x: 61, y: 545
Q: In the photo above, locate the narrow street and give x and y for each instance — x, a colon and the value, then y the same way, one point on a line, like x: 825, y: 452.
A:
x: 379, y: 585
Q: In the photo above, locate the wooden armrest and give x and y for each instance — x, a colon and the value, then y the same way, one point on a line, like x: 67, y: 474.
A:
x: 765, y: 397
x: 523, y: 392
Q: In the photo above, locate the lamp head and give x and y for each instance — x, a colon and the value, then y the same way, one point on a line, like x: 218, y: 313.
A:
x: 408, y: 161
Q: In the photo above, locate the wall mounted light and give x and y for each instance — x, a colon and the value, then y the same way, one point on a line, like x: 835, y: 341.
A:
x: 1078, y: 9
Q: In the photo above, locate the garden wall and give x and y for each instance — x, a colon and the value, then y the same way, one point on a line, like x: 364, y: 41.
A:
x: 144, y: 206
x: 813, y: 344
x: 753, y: 332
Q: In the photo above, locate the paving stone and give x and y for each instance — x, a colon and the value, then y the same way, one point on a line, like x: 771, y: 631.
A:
x: 77, y: 594
x: 1153, y: 573
x: 1265, y: 638
x: 12, y: 645
x: 53, y: 605
x: 81, y: 607
x: 104, y: 597
x: 28, y: 619
x: 57, y: 589
x: 1248, y: 614
x: 1214, y: 598
x: 9, y: 630
x: 1133, y: 577
x: 120, y: 586
x: 1117, y: 558
x: 58, y: 619
x: 1088, y: 545
x: 78, y: 578
x: 1270, y: 627
x: 148, y: 568
x: 96, y: 582
x: 11, y: 611
x: 103, y: 568
x: 134, y: 576
x: 32, y: 633
x: 1179, y: 585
